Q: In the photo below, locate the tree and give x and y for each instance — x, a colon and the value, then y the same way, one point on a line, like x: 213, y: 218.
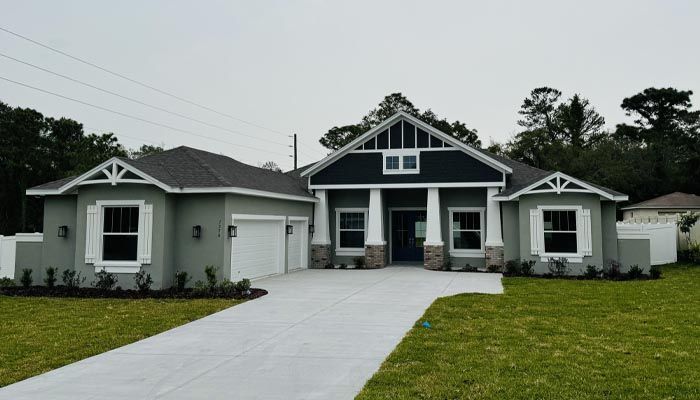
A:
x: 685, y: 223
x: 271, y: 165
x: 339, y: 136
x: 578, y: 122
x: 145, y: 150
x: 539, y: 111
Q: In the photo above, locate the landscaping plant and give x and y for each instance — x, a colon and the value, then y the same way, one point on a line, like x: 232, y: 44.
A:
x: 359, y: 262
x: 635, y: 272
x: 71, y: 279
x: 592, y: 272
x: 210, y: 272
x: 6, y: 282
x: 469, y: 268
x: 143, y: 281
x: 612, y: 270
x: 181, y: 279
x: 655, y: 271
x: 26, y: 279
x: 243, y: 286
x: 527, y: 267
x: 558, y: 266
x: 512, y: 268
x: 50, y: 279
x: 105, y: 280
x: 343, y: 266
x: 329, y: 265
x: 494, y: 268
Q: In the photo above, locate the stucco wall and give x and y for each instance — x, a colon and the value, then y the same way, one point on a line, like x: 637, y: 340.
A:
x: 56, y: 251
x: 587, y: 201
x: 28, y: 255
x: 608, y: 210
x: 510, y: 219
x: 634, y: 252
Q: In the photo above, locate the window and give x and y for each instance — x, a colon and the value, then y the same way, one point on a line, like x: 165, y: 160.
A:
x: 559, y: 231
x: 467, y: 231
x: 120, y: 233
x: 351, y: 226
x: 392, y: 162
x: 410, y: 162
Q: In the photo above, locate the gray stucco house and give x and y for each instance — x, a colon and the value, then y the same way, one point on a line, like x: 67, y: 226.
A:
x: 403, y: 192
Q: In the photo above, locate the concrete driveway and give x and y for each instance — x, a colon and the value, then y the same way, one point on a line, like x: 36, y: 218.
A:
x: 318, y: 334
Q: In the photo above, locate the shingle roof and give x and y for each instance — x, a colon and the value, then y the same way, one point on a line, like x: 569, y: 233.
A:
x: 54, y: 184
x: 671, y: 200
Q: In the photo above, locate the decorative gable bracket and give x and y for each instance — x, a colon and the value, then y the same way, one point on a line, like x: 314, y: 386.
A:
x: 114, y: 173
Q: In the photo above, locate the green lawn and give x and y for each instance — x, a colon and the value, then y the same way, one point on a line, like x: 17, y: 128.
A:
x: 38, y: 334
x: 554, y: 339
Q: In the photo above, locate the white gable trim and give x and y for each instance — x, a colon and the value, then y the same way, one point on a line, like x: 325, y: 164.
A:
x: 415, y: 121
x: 562, y: 181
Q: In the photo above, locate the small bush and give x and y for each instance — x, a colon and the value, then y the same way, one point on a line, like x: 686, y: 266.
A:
x: 50, y: 279
x: 558, y: 266
x: 329, y: 265
x: 105, y: 280
x: 181, y: 279
x: 26, y: 279
x: 527, y: 267
x: 655, y: 271
x: 343, y: 266
x: 635, y: 272
x: 512, y: 267
x: 359, y: 262
x: 612, y: 270
x: 200, y: 288
x: 210, y: 272
x: 6, y: 282
x: 494, y: 268
x: 592, y: 272
x: 446, y: 265
x: 227, y: 288
x: 243, y: 286
x: 469, y: 268
x: 143, y: 281
x: 71, y: 279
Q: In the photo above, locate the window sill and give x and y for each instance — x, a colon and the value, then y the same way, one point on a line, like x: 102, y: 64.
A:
x: 468, y: 253
x: 117, y: 267
x: 360, y: 251
x: 572, y: 258
x: 400, y: 171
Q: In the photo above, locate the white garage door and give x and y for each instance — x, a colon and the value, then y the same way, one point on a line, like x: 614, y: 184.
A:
x: 258, y: 249
x: 297, y: 245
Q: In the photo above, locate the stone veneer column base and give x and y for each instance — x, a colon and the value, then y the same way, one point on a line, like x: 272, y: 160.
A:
x: 375, y: 256
x: 433, y: 257
x: 494, y: 256
x: 320, y: 255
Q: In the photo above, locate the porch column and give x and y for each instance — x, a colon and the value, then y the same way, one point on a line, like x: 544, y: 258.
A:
x: 321, y: 241
x: 494, y: 238
x: 375, y: 245
x: 433, y: 247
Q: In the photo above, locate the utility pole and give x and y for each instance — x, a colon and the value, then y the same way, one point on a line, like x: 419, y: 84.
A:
x: 295, y: 149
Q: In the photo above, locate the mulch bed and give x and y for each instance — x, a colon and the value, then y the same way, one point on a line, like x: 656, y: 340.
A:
x: 91, y: 292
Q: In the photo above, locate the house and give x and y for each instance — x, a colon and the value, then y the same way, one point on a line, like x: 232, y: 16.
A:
x: 402, y: 193
x: 666, y: 208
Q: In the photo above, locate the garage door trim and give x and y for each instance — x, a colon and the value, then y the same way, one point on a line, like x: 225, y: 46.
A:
x: 281, y: 256
x: 304, y: 240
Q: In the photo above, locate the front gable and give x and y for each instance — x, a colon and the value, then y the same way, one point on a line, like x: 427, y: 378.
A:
x: 405, y: 151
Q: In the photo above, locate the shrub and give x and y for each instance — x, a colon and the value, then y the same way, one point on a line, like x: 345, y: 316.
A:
x: 210, y: 272
x: 200, y: 287
x: 105, y: 280
x: 26, y: 279
x: 181, y: 279
x: 359, y: 262
x: 635, y: 272
x: 50, y: 279
x: 329, y: 265
x: 655, y: 271
x: 343, y: 266
x: 685, y: 223
x: 243, y: 286
x: 143, y: 281
x: 612, y: 270
x: 446, y: 265
x: 558, y: 266
x: 6, y: 282
x: 512, y: 267
x: 527, y: 267
x: 71, y: 280
x: 494, y: 268
x: 592, y: 272
x: 469, y: 268
x: 227, y: 288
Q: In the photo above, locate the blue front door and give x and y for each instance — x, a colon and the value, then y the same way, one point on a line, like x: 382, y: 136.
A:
x: 407, y: 235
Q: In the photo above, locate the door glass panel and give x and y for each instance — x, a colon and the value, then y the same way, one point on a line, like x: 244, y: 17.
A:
x: 420, y: 226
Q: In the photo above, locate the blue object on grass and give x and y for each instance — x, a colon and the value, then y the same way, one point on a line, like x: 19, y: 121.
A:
x: 426, y: 324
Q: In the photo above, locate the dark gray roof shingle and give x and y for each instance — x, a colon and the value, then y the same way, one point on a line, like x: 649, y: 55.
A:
x: 671, y: 200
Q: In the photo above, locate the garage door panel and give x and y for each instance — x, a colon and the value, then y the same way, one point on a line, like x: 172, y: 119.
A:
x: 256, y: 251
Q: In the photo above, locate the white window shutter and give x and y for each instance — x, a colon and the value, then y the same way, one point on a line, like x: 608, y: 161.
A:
x: 535, y: 232
x: 586, y: 239
x: 92, y: 227
x: 146, y: 233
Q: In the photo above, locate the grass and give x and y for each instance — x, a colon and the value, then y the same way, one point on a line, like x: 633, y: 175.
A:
x: 38, y: 334
x: 554, y: 339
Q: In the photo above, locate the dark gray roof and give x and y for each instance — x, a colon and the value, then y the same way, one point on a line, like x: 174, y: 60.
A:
x: 671, y: 200
x: 185, y: 167
x: 54, y: 184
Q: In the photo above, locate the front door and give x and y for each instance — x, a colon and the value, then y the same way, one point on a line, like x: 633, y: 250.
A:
x: 407, y: 235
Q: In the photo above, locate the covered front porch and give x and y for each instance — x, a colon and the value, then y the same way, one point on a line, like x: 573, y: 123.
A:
x: 407, y: 226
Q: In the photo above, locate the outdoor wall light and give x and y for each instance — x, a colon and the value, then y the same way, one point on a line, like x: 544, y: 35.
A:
x: 197, y: 231
x: 62, y: 231
x: 232, y: 231
x: 311, y: 229
x: 290, y: 229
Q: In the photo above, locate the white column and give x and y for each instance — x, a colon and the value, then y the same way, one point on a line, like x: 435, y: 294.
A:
x: 433, y: 232
x: 493, y: 219
x: 321, y: 228
x: 375, y: 223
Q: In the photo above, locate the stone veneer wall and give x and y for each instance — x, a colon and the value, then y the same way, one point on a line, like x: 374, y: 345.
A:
x: 494, y: 256
x: 320, y: 255
x: 375, y: 256
x: 433, y: 256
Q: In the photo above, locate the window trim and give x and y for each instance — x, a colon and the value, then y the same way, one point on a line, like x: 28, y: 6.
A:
x: 349, y: 251
x: 119, y: 266
x: 473, y: 253
x: 576, y: 257
x: 400, y: 153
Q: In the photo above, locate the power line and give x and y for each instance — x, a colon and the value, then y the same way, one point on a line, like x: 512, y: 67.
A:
x: 137, y: 118
x: 138, y: 101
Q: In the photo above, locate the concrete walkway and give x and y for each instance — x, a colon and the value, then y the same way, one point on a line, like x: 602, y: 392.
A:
x: 318, y: 335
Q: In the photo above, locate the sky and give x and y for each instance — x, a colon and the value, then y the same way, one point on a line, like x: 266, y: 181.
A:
x: 272, y: 68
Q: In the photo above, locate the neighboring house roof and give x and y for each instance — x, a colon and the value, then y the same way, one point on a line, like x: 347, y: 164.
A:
x: 675, y: 200
x: 184, y: 169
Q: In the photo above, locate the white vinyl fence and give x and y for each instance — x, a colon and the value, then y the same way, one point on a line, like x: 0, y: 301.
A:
x: 663, y: 239
x: 681, y: 238
x: 8, y: 248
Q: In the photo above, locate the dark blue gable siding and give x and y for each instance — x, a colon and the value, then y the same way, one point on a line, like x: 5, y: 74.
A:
x: 435, y: 167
